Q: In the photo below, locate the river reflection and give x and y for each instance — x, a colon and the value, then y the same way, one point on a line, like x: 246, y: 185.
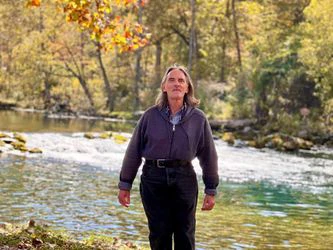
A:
x: 83, y: 199
x: 39, y: 122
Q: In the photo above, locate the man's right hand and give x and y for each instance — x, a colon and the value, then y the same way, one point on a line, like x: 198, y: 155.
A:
x: 124, y: 197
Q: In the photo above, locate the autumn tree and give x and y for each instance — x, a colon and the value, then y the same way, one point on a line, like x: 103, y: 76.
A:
x: 317, y: 51
x: 111, y: 23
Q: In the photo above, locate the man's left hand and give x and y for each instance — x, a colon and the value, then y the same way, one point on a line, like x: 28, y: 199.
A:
x: 208, y: 203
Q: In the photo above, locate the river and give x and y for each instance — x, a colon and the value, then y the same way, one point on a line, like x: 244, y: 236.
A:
x: 266, y: 199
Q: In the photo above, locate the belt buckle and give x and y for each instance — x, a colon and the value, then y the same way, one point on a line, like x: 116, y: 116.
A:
x: 158, y: 163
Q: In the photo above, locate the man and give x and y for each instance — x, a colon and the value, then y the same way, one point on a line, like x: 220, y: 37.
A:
x: 169, y: 136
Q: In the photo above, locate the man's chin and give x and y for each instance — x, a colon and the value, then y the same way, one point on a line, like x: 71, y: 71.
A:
x: 177, y: 98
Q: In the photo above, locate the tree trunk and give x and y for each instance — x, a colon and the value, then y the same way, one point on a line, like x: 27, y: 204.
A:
x: 193, y: 41
x: 138, y: 69
x: 158, y: 56
x: 137, y: 83
x: 47, y: 92
x: 81, y: 77
x: 234, y: 15
x: 225, y: 33
x: 84, y: 85
x: 107, y: 85
x: 77, y: 71
x: 261, y: 108
x: 275, y: 105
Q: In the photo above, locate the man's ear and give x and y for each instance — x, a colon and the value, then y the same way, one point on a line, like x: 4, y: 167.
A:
x: 163, y: 88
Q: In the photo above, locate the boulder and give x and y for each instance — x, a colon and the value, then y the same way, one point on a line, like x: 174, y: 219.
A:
x: 19, y: 146
x: 260, y: 142
x: 304, y: 144
x: 105, y: 135
x: 35, y: 151
x: 8, y: 140
x: 290, y: 145
x: 251, y: 143
x: 240, y: 143
x: 89, y: 135
x: 277, y: 142
x: 229, y: 138
x: 20, y: 137
x: 3, y: 135
x: 119, y: 138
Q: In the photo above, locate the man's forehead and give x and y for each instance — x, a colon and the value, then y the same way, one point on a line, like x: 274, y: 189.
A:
x: 176, y: 73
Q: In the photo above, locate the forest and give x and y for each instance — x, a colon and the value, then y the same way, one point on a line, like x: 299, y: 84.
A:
x: 264, y: 60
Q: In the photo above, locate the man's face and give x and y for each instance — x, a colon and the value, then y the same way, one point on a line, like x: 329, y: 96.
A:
x: 175, y: 86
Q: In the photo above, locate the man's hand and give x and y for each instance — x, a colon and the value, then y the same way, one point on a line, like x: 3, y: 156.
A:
x: 208, y: 203
x: 124, y: 198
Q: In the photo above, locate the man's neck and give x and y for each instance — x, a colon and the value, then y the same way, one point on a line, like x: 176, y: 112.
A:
x: 175, y: 106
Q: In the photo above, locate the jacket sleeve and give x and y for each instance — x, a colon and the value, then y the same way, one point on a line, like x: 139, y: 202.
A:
x: 133, y: 157
x: 208, y: 159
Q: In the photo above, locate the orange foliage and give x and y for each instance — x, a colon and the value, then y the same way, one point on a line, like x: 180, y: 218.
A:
x: 33, y: 3
x: 99, y: 19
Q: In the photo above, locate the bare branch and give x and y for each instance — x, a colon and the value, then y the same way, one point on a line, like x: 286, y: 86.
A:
x: 182, y: 36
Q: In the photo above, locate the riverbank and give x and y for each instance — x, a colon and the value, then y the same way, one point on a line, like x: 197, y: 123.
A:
x: 282, y: 136
x: 6, y: 105
x: 32, y: 236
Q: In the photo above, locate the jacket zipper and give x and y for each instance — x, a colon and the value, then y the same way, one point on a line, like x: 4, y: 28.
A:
x: 173, y: 132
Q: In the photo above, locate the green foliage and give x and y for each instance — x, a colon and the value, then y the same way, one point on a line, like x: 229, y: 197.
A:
x: 122, y: 115
x: 287, y: 123
x: 317, y: 48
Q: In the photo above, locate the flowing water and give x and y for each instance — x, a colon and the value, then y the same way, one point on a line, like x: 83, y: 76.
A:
x: 266, y: 200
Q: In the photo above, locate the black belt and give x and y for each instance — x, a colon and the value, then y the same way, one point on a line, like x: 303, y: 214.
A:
x: 166, y: 163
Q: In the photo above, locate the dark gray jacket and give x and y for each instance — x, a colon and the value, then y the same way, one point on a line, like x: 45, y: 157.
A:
x: 155, y: 137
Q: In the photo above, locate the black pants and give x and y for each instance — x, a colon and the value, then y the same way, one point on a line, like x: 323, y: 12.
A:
x: 169, y: 197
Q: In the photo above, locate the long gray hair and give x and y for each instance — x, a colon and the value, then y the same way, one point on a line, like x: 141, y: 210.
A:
x: 189, y: 98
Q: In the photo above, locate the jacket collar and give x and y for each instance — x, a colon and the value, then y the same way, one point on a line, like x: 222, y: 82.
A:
x: 185, y: 116
x: 181, y: 112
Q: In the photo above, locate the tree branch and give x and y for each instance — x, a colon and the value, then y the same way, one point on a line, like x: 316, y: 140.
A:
x: 182, y: 36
